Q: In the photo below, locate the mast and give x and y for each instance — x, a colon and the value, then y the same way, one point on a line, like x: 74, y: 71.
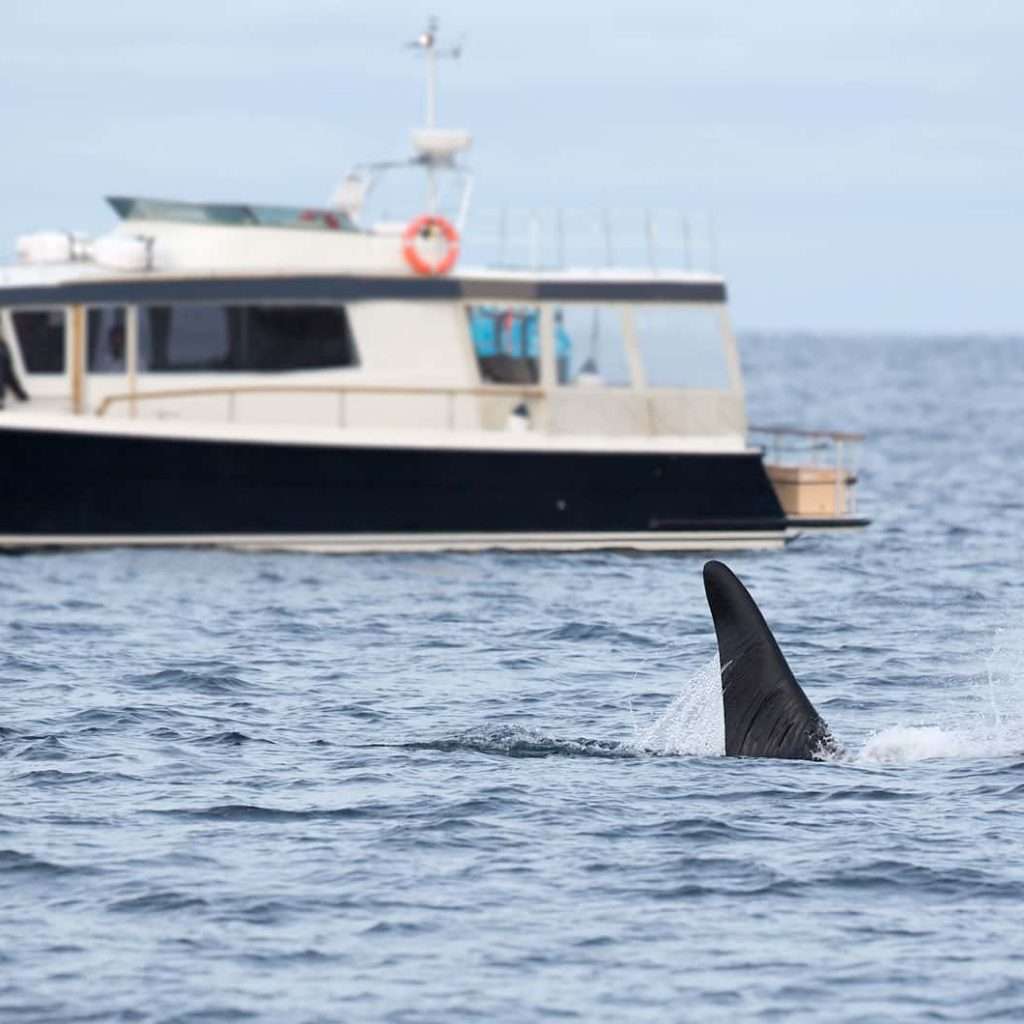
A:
x: 435, y: 146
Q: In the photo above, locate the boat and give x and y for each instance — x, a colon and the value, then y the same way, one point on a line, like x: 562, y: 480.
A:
x: 279, y: 377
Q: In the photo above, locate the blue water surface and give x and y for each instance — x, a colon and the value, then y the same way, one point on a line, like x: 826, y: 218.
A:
x: 255, y: 787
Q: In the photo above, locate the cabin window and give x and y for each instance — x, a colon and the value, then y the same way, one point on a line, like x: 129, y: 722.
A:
x: 682, y: 347
x: 41, y: 339
x: 106, y: 340
x: 187, y: 337
x: 597, y: 355
x: 506, y: 341
x: 202, y: 338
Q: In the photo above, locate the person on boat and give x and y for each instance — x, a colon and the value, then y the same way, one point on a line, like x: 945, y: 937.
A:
x: 109, y: 357
x: 8, y: 378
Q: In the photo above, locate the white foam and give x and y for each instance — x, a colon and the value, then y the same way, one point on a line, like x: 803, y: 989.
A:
x: 992, y: 727
x: 903, y: 743
x: 693, y: 724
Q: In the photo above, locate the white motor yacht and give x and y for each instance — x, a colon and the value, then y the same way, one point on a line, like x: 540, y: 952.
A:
x: 267, y: 376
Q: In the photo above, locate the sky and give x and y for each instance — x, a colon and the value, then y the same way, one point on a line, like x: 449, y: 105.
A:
x: 859, y: 163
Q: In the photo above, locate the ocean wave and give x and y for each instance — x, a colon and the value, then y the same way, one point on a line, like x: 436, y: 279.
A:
x: 54, y: 777
x: 520, y: 741
x: 252, y: 812
x: 694, y: 829
x: 162, y: 901
x: 575, y: 631
x: 906, y: 876
x: 211, y: 684
x: 14, y: 862
x: 229, y: 738
x: 42, y: 748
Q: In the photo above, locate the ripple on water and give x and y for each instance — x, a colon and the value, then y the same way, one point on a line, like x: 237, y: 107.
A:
x: 211, y: 683
x: 229, y: 738
x: 520, y: 741
x: 252, y: 813
x: 157, y: 902
x: 13, y: 862
x: 586, y: 632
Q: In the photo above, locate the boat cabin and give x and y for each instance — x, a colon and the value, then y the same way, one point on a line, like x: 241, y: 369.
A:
x: 586, y: 353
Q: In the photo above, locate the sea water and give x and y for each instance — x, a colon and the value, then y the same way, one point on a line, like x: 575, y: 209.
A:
x: 251, y: 787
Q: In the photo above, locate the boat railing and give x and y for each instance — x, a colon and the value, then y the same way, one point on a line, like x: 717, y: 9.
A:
x: 343, y: 392
x: 819, y: 463
x: 555, y: 239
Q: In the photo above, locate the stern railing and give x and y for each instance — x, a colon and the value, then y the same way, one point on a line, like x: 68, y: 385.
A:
x: 831, y: 456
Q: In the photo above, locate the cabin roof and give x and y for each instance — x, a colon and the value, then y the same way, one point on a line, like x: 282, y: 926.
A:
x: 84, y: 283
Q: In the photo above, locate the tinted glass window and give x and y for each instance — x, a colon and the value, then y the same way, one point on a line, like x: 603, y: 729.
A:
x: 185, y: 337
x: 296, y: 338
x: 201, y: 338
x: 106, y: 340
x: 41, y: 338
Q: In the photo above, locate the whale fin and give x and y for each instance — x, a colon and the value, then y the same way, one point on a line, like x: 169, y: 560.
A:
x: 766, y: 712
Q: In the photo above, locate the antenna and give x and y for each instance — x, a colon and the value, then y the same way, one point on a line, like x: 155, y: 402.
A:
x: 426, y: 43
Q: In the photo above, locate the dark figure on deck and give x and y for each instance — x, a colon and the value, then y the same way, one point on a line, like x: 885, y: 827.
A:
x: 8, y: 378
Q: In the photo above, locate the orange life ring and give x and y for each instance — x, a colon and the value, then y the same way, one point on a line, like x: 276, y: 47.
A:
x: 429, y: 225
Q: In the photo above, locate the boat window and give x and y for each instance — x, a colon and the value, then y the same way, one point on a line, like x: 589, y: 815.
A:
x: 187, y: 337
x: 41, y: 339
x: 595, y: 351
x: 682, y: 347
x: 233, y: 214
x: 589, y: 348
x: 106, y: 340
x: 203, y: 338
x: 505, y: 340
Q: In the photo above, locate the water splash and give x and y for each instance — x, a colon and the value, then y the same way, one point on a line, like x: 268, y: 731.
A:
x: 693, y: 724
x: 991, y: 726
x: 900, y: 744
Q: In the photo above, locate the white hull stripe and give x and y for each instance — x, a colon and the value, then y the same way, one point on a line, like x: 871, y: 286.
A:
x: 377, y: 543
x: 337, y: 437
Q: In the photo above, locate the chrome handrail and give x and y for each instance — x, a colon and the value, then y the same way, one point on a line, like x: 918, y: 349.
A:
x: 231, y: 392
x: 829, y: 435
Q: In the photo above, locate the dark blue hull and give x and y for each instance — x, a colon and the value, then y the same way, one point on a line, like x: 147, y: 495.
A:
x: 72, y: 486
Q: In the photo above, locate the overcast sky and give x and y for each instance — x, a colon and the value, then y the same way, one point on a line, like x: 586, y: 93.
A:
x: 861, y: 160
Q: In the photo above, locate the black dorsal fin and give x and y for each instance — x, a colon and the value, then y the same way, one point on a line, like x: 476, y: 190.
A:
x: 766, y: 712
